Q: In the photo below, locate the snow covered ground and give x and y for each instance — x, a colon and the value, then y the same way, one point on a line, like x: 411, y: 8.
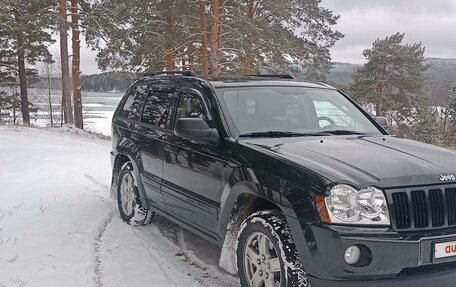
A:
x: 58, y: 226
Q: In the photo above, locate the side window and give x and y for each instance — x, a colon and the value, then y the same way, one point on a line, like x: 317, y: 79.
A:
x: 136, y: 97
x: 158, y: 109
x: 190, y: 106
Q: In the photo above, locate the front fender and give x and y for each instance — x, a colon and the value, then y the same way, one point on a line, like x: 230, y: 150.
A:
x: 239, y: 198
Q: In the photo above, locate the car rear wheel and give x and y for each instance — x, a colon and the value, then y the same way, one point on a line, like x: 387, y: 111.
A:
x: 129, y: 203
x: 266, y: 254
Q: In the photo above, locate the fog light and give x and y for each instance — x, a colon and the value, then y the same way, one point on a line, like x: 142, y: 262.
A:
x: 352, y: 255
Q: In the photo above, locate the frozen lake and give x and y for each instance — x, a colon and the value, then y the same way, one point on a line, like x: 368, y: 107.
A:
x: 98, y: 108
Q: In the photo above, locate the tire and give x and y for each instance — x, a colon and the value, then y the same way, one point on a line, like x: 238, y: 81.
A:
x: 128, y: 200
x: 266, y: 254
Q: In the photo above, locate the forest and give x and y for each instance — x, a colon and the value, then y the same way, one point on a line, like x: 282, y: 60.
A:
x: 215, y: 37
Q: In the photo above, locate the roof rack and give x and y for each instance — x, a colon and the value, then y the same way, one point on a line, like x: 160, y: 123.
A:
x: 284, y: 76
x: 325, y: 85
x: 183, y: 73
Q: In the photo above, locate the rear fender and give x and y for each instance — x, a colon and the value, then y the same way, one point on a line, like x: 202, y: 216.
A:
x: 129, y: 150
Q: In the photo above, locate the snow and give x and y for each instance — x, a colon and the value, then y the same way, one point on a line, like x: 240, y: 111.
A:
x: 58, y: 226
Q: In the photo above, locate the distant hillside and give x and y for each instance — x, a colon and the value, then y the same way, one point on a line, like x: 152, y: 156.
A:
x: 440, y: 70
x: 104, y: 82
x: 107, y: 82
x: 439, y: 76
x: 341, y: 74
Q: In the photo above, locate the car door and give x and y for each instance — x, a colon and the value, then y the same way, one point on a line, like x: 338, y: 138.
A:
x: 136, y: 143
x: 156, y: 120
x: 192, y: 169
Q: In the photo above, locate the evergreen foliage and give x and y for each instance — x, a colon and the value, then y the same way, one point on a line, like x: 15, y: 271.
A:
x: 392, y: 78
x: 425, y: 128
x: 253, y: 35
x: 106, y: 82
x: 24, y: 39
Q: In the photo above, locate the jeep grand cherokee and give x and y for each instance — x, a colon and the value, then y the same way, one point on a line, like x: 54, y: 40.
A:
x: 296, y: 182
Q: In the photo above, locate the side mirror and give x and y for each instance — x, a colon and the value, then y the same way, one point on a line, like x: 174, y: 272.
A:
x: 195, y: 128
x: 382, y: 122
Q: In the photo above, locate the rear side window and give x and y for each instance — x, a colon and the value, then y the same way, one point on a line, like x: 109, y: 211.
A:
x: 135, y: 100
x: 158, y: 109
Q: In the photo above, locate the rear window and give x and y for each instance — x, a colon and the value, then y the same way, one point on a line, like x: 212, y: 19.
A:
x: 135, y: 100
x: 158, y: 109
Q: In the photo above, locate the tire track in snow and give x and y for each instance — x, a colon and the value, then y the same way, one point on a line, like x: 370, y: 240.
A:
x: 153, y: 251
x: 98, y: 243
x: 101, y: 189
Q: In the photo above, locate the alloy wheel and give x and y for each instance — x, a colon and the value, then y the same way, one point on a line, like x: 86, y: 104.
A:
x: 261, y: 262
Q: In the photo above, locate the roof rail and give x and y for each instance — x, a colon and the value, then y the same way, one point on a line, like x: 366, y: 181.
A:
x: 284, y: 76
x: 325, y: 85
x: 183, y: 73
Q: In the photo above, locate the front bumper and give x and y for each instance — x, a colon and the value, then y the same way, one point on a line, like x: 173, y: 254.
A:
x: 440, y: 279
x: 396, y: 260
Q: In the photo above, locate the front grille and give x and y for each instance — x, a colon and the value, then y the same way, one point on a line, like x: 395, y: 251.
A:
x: 423, y: 208
x: 450, y: 197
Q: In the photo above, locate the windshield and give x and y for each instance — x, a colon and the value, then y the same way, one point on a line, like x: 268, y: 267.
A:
x: 306, y: 111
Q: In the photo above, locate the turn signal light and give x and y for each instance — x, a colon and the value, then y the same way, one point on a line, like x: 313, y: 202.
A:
x: 320, y: 203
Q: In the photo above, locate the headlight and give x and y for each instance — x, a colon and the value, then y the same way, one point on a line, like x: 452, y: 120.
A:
x: 348, y: 205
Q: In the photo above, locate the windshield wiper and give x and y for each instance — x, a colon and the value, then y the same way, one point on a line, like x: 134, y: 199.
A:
x: 273, y: 134
x: 343, y: 132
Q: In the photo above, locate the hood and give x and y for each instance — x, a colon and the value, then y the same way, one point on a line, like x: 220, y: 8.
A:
x: 383, y: 161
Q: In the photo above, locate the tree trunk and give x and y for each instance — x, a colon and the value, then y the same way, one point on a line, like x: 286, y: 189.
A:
x: 248, y: 45
x: 22, y: 76
x: 14, y: 105
x: 184, y: 61
x: 378, y: 102
x: 219, y: 32
x: 204, y: 59
x: 169, y: 45
x: 48, y: 71
x: 66, y: 95
x: 215, y: 37
x: 77, y: 101
x: 191, y: 61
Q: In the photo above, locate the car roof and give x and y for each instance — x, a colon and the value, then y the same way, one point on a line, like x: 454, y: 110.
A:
x: 240, y: 81
x: 265, y: 83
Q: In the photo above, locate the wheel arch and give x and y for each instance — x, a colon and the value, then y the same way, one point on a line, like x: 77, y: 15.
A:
x: 246, y: 198
x: 120, y: 159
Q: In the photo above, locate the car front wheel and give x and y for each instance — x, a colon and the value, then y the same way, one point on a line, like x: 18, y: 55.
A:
x: 266, y: 254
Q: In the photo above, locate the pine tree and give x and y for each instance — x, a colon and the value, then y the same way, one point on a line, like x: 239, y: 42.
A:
x: 392, y: 79
x: 204, y: 58
x: 66, y: 93
x: 278, y: 36
x: 449, y: 126
x: 75, y: 75
x: 425, y: 128
x: 244, y: 35
x: 215, y: 37
x: 137, y: 35
x: 24, y: 37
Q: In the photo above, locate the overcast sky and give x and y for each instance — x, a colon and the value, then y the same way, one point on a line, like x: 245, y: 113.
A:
x: 432, y: 22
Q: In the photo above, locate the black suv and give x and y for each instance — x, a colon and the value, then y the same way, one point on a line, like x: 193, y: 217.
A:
x: 296, y: 183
